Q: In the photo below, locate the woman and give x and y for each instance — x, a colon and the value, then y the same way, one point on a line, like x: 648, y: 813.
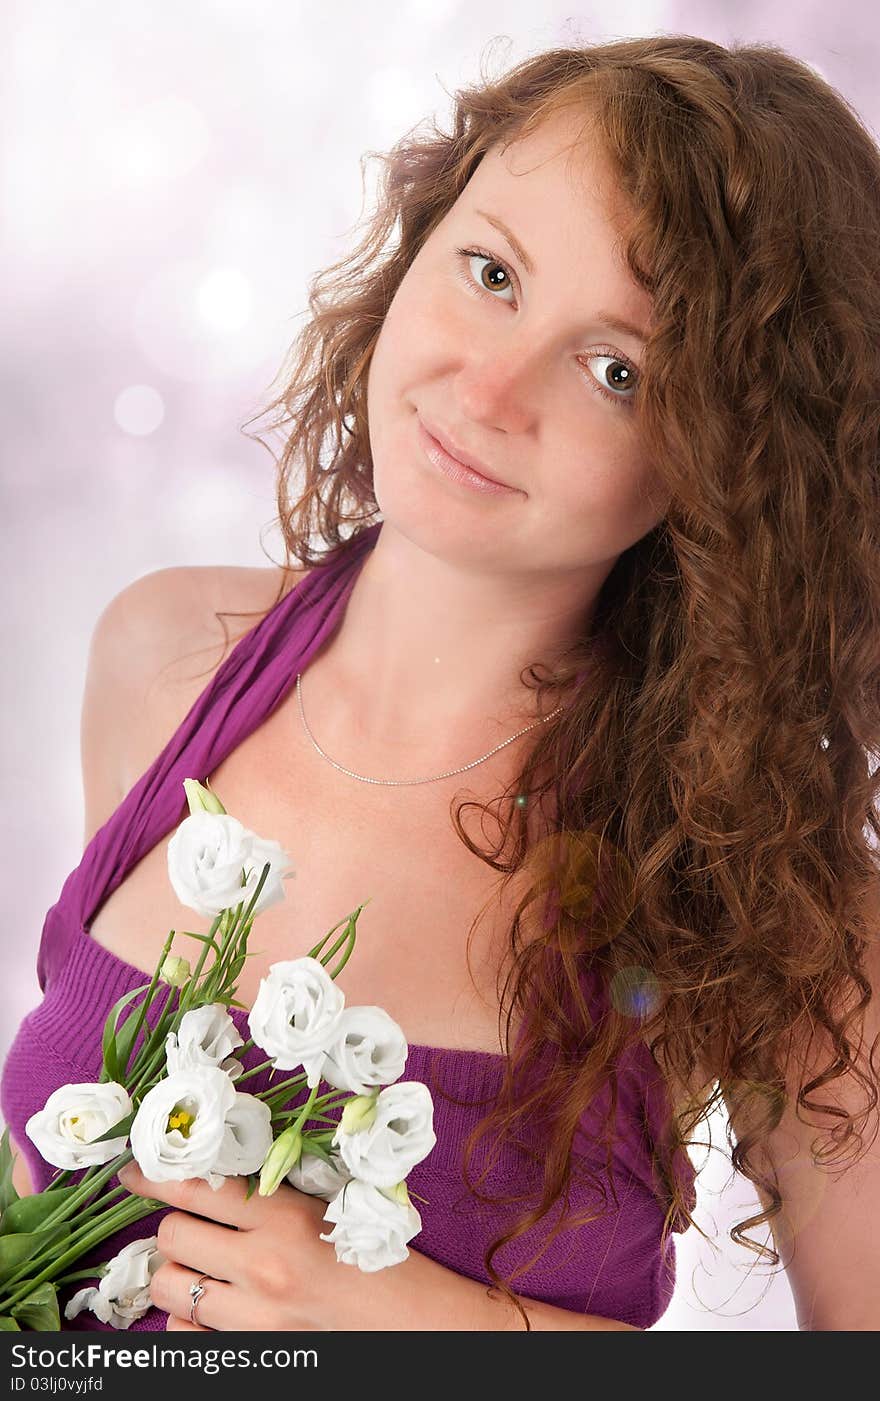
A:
x: 636, y: 288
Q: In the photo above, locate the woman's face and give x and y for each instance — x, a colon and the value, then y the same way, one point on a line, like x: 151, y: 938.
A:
x: 512, y: 361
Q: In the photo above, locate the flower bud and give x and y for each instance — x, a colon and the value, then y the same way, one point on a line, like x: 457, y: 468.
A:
x: 359, y: 1113
x: 398, y: 1193
x: 200, y: 798
x: 284, y: 1154
x: 175, y: 970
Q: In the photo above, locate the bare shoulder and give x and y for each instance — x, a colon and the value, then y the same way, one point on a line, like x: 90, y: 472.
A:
x: 201, y: 611
x: 189, y: 621
x: 165, y: 630
x: 154, y: 649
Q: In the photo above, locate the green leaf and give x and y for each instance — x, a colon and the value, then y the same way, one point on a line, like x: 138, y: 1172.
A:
x: 253, y: 1181
x: 204, y: 938
x: 117, y: 1130
x: 111, y: 1064
x: 311, y: 1146
x: 235, y: 968
x: 15, y: 1249
x: 8, y: 1193
x: 125, y: 1039
x: 28, y: 1213
x: 8, y: 1324
x: 39, y: 1310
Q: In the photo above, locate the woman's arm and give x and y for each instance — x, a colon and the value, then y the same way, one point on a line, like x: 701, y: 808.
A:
x: 273, y: 1272
x: 441, y: 1299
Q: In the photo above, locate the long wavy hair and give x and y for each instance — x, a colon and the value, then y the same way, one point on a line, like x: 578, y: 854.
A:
x: 713, y: 791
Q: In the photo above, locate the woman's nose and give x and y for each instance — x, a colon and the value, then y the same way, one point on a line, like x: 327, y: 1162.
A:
x: 501, y: 390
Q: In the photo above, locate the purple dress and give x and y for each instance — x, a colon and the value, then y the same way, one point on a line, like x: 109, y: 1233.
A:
x: 612, y: 1266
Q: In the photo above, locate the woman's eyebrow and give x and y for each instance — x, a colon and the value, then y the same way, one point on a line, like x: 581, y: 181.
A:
x: 614, y: 323
x: 511, y: 239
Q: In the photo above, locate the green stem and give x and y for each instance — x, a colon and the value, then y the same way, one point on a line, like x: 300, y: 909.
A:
x: 83, y: 1240
x: 96, y: 1178
x: 213, y: 985
x: 203, y: 954
x: 147, y: 999
x: 286, y: 1115
x: 304, y: 1112
x: 76, y: 1274
x: 101, y: 1202
x: 350, y: 920
x: 153, y: 1050
x: 248, y: 1073
x: 286, y: 1086
x: 225, y: 922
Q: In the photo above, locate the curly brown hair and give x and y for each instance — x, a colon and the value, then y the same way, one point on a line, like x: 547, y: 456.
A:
x: 714, y: 797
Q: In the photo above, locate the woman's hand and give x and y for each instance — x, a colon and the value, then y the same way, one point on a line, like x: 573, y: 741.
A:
x: 267, y: 1267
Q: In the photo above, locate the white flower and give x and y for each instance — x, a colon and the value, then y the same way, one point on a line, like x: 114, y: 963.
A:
x: 320, y: 1179
x: 370, y: 1049
x: 194, y: 1124
x: 209, y: 854
x: 123, y: 1293
x: 372, y: 1226
x: 248, y: 1136
x: 263, y: 850
x: 296, y: 1015
x: 400, y: 1135
x: 206, y: 1036
x: 72, y: 1117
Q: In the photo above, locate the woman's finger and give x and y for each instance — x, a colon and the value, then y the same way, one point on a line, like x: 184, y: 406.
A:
x: 218, y: 1308
x: 203, y: 1246
x: 229, y: 1203
x: 181, y: 1325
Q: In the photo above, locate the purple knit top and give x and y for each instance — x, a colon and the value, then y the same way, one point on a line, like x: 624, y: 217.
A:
x: 612, y: 1266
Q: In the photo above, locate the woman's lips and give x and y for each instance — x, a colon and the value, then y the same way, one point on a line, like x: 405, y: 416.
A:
x: 457, y: 471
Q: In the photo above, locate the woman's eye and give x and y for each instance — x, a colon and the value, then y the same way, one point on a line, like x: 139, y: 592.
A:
x: 625, y: 377
x: 493, y: 279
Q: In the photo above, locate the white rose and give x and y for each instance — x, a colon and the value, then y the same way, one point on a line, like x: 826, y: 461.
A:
x: 318, y: 1178
x: 210, y: 853
x: 400, y: 1135
x: 206, y: 1036
x: 123, y: 1293
x: 296, y: 1015
x: 194, y: 1124
x: 370, y: 1049
x: 372, y: 1226
x: 72, y: 1117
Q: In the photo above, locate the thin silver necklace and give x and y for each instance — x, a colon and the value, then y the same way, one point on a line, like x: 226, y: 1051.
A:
x: 400, y: 782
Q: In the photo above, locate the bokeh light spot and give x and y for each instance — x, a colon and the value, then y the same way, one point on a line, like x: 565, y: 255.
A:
x: 139, y: 410
x: 634, y: 991
x: 162, y: 140
x: 224, y: 299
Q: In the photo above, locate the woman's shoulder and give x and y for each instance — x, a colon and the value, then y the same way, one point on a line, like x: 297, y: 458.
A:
x: 174, y: 615
x: 197, y: 613
x: 157, y: 645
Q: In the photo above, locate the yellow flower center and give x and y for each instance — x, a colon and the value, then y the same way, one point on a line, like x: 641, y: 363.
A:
x: 180, y: 1118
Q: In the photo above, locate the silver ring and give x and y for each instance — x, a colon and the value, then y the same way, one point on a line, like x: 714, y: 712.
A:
x: 195, y: 1292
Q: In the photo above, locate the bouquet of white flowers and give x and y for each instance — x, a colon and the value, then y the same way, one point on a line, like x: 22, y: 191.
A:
x: 175, y: 1102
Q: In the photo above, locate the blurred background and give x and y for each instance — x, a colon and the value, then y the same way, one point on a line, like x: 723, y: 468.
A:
x: 172, y: 176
